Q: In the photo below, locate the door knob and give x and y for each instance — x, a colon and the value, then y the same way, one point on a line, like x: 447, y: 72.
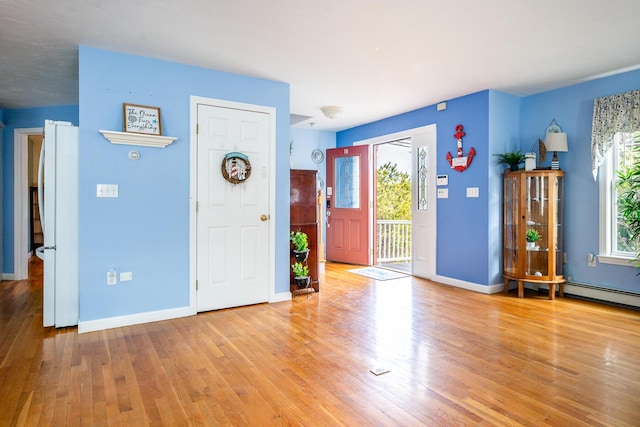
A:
x: 264, y: 217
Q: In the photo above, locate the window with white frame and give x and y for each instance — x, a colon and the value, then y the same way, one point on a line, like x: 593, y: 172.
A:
x: 615, y: 245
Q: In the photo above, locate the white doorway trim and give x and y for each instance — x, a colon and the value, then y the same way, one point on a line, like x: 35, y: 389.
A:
x: 411, y: 134
x: 20, y: 200
x: 193, y: 190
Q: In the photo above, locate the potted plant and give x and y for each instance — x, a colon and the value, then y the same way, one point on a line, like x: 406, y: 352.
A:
x: 532, y: 237
x: 511, y: 158
x: 628, y: 186
x: 301, y: 275
x: 300, y: 245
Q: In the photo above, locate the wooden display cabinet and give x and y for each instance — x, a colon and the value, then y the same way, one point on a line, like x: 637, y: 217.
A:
x: 533, y: 200
x: 303, y: 212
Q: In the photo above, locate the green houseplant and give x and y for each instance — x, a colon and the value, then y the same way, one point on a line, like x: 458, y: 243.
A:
x: 300, y: 275
x: 511, y: 158
x: 628, y: 186
x: 300, y: 245
x: 532, y: 237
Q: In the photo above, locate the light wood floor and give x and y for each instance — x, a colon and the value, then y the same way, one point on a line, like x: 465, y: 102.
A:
x: 455, y: 358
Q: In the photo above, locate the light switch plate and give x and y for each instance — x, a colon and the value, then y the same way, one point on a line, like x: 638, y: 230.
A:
x: 443, y: 193
x: 473, y: 192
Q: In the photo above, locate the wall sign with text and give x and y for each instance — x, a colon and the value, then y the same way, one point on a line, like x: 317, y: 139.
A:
x: 142, y: 119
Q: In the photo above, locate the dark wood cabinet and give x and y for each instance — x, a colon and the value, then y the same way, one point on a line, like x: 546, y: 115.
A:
x: 303, y: 210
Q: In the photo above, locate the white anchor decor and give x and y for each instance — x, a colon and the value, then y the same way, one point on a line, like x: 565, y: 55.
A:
x: 461, y: 162
x: 236, y: 167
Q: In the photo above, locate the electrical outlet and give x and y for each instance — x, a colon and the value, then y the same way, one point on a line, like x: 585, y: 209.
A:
x: 591, y: 259
x: 126, y: 276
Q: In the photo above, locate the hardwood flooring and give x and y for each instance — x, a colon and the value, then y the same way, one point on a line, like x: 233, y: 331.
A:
x: 455, y: 358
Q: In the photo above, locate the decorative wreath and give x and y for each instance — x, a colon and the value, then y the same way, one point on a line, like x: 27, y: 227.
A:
x: 235, y: 167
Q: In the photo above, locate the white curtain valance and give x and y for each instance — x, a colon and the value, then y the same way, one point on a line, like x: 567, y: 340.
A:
x: 612, y: 114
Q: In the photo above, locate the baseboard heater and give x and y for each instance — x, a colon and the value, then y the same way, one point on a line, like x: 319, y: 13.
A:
x: 595, y: 293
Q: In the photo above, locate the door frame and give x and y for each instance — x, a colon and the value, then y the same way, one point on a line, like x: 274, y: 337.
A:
x: 410, y: 133
x: 21, y: 200
x: 193, y: 189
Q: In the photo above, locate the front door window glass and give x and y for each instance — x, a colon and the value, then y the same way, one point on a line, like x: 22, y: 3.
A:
x: 347, y: 182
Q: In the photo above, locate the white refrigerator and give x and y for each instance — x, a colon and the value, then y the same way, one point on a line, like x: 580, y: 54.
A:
x: 58, y: 203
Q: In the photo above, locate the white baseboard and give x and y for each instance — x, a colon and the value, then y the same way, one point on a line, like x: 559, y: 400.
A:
x: 133, y: 319
x: 282, y: 296
x: 8, y: 276
x: 152, y: 316
x: 483, y: 289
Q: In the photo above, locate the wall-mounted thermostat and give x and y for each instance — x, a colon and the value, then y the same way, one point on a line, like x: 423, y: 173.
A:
x: 442, y: 179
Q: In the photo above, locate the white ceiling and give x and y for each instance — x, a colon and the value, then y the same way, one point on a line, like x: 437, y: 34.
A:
x: 374, y: 58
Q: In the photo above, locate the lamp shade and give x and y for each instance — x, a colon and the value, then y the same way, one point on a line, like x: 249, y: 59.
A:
x: 556, y: 141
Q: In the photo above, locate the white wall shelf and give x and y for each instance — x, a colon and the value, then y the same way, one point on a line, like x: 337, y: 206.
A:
x: 143, y: 140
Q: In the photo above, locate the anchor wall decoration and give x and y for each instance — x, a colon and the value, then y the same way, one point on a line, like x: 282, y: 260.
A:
x: 461, y: 162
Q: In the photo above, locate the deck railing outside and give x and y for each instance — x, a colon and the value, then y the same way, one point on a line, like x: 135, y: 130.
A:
x: 394, y: 240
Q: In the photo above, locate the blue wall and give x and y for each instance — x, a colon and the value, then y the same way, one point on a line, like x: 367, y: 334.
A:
x: 304, y: 142
x: 146, y: 229
x: 572, y: 107
x: 16, y: 119
x: 504, y: 136
x: 463, y: 246
x: 469, y: 230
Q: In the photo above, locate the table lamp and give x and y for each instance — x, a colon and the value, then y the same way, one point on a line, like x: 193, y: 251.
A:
x: 556, y: 141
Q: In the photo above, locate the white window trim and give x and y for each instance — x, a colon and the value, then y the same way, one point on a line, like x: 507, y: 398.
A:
x: 606, y: 255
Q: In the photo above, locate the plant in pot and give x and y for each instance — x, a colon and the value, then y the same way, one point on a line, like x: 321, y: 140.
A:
x: 628, y: 186
x: 532, y: 237
x: 511, y: 158
x: 300, y: 245
x: 301, y: 275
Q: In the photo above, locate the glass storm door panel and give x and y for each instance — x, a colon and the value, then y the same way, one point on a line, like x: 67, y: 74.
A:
x: 511, y: 215
x: 348, y: 205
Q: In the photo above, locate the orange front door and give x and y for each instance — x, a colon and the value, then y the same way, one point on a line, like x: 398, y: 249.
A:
x: 348, y: 205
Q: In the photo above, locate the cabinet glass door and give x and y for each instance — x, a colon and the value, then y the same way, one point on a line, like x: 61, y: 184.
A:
x: 537, y: 226
x: 511, y: 215
x: 559, y: 215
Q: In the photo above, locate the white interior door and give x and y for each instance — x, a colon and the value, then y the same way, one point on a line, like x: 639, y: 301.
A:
x: 232, y: 240
x: 423, y: 206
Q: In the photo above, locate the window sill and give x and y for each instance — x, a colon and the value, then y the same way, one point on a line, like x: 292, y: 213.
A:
x: 616, y: 260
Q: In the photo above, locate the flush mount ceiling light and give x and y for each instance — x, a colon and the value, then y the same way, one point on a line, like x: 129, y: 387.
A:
x: 331, y: 111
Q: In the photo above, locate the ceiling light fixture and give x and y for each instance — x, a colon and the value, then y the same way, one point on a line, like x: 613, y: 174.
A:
x: 331, y: 111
